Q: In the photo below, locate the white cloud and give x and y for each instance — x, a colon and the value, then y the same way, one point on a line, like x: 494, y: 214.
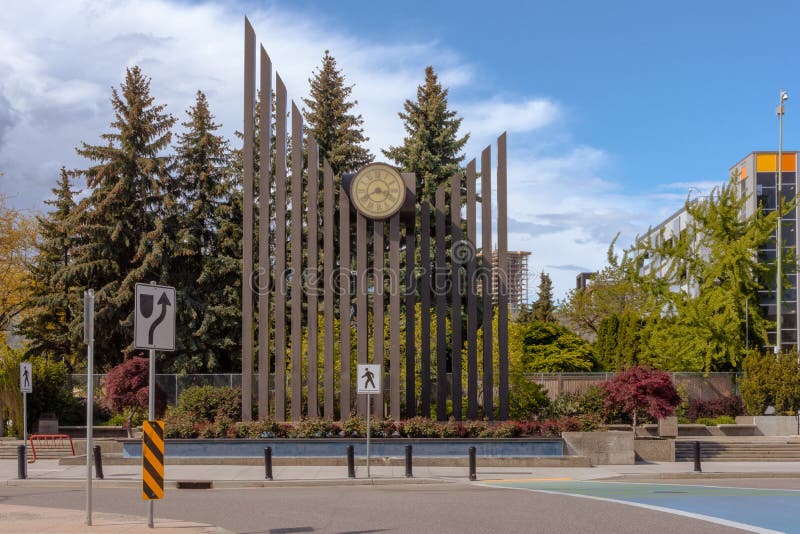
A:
x: 496, y: 116
x: 56, y: 75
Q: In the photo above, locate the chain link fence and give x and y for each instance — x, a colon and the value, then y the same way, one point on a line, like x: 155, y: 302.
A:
x: 699, y: 386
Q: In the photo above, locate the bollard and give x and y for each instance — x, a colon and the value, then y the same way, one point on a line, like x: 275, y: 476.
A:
x: 408, y: 462
x: 22, y: 462
x: 268, y: 463
x: 697, y: 468
x: 98, y: 462
x: 351, y: 462
x: 472, y: 475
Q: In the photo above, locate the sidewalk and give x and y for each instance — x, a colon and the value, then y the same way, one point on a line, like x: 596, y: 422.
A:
x: 35, y: 520
x: 48, y: 473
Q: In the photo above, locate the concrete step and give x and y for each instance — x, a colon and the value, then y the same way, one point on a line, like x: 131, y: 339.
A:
x: 8, y: 450
x: 739, y: 451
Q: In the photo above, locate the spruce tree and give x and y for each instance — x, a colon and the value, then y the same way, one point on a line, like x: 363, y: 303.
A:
x: 338, y: 132
x: 122, y: 238
x: 51, y: 323
x: 543, y: 308
x: 432, y: 147
x: 194, y: 214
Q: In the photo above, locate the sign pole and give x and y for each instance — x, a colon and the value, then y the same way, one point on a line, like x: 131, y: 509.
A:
x: 151, y: 416
x: 24, y: 417
x: 88, y: 338
x: 369, y: 401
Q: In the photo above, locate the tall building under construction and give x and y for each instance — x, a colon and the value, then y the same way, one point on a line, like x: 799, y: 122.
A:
x: 517, y: 280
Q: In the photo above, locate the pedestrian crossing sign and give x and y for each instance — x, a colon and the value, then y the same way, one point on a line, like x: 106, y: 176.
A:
x: 369, y: 378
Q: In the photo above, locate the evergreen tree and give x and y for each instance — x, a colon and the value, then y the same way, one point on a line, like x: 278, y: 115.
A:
x: 543, y: 308
x: 338, y: 132
x: 432, y: 147
x: 51, y: 323
x: 122, y: 237
x: 195, y: 210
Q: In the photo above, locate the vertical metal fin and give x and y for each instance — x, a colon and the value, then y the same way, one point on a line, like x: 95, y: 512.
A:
x: 312, y: 280
x: 394, y: 317
x: 361, y: 300
x: 247, y: 219
x: 411, y: 299
x: 457, y: 249
x: 425, y: 312
x: 297, y: 264
x: 486, y: 277
x: 345, y: 401
x: 502, y: 275
x: 328, y: 255
x: 440, y: 290
x: 264, y: 195
x: 472, y: 301
x: 378, y: 334
x: 280, y: 249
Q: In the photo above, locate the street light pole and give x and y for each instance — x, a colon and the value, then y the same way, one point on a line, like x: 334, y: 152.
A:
x: 782, y: 97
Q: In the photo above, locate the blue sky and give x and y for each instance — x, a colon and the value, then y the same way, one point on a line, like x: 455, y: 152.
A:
x: 614, y: 109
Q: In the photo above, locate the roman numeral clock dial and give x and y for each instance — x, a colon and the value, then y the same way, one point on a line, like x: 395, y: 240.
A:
x: 378, y: 191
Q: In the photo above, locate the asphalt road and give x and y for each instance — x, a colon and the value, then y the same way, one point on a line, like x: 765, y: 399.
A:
x: 439, y: 508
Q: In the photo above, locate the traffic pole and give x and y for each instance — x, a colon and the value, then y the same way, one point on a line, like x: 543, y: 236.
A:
x: 25, y: 418
x: 151, y: 414
x: 88, y: 338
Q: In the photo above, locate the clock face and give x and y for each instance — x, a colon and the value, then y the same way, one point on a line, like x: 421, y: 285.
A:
x: 378, y: 191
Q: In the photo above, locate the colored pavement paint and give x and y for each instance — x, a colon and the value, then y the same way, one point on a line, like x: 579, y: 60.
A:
x: 755, y: 510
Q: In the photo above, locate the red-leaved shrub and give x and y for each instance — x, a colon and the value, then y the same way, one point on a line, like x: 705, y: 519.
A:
x: 640, y: 390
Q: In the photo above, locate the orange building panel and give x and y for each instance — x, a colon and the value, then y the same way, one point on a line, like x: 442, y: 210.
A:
x: 789, y: 162
x: 769, y: 162
x: 766, y: 163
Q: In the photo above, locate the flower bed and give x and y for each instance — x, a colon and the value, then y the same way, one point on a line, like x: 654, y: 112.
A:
x: 180, y: 426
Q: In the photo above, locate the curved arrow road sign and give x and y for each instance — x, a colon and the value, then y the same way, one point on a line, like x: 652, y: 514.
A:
x: 154, y: 319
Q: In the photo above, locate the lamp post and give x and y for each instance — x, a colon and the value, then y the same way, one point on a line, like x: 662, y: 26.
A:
x: 782, y: 97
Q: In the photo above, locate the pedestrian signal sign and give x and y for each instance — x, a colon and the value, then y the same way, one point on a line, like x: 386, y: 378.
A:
x: 369, y: 378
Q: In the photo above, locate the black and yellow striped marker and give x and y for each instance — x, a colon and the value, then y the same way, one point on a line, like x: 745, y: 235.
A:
x: 153, y: 460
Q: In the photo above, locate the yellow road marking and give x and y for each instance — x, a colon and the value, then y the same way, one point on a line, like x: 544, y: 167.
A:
x: 551, y: 479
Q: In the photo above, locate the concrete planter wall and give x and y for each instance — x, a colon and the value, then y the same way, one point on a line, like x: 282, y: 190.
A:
x: 602, y: 448
x: 654, y: 450
x: 388, y: 447
x: 771, y: 425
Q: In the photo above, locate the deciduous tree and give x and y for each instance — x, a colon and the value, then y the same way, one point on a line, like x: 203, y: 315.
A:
x: 17, y: 249
x: 640, y: 391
